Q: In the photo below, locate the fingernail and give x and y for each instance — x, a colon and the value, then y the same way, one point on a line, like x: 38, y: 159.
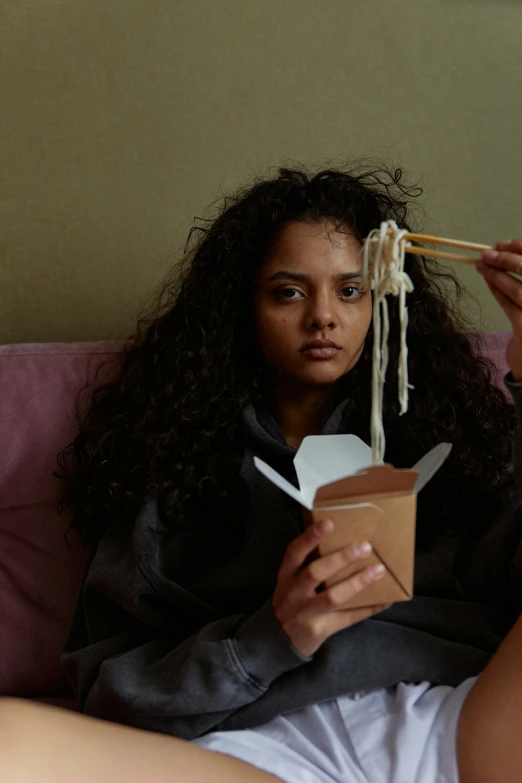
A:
x: 323, y: 527
x: 363, y: 549
x: 503, y: 243
x: 376, y: 571
x: 489, y: 255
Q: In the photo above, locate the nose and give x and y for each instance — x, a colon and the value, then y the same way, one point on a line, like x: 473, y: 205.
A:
x: 321, y: 313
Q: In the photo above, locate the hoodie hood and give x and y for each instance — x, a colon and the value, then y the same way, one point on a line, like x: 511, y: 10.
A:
x: 265, y: 435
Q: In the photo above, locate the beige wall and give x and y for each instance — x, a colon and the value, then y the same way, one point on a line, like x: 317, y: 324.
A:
x: 121, y: 119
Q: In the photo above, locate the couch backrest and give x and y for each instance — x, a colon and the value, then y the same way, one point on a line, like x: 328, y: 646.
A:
x: 39, y: 573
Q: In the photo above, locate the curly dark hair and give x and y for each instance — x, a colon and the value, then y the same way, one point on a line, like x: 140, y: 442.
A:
x: 170, y: 424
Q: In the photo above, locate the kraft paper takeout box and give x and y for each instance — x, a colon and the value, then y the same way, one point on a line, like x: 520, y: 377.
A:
x: 365, y: 503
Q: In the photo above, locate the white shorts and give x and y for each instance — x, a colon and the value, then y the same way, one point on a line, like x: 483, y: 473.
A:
x: 404, y: 734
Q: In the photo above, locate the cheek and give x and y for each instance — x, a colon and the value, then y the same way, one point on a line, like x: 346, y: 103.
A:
x: 358, y: 320
x: 274, y: 330
x: 271, y: 333
x: 368, y: 314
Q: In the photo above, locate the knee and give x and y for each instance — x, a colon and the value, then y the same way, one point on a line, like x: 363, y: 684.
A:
x: 12, y: 719
x: 485, y: 750
x: 21, y: 723
x: 11, y: 710
x: 13, y: 716
x: 467, y: 735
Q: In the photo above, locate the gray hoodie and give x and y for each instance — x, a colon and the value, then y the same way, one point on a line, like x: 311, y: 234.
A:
x: 148, y: 651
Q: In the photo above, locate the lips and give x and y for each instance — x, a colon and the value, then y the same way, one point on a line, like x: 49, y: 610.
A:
x: 321, y: 349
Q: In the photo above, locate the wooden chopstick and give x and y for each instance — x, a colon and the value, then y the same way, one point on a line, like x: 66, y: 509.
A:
x: 427, y: 251
x: 432, y: 240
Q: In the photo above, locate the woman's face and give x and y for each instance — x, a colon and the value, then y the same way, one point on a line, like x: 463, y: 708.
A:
x: 312, y: 313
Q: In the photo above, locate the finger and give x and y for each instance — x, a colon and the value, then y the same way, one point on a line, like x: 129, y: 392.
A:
x: 504, y: 260
x: 513, y: 312
x: 334, y: 597
x: 502, y: 299
x: 324, y: 567
x: 514, y: 245
x: 505, y: 284
x: 302, y: 546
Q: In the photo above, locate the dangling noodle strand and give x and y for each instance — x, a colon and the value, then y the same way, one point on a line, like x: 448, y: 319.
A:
x: 383, y: 269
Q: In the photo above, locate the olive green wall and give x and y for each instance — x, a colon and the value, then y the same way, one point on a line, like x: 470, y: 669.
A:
x: 122, y: 119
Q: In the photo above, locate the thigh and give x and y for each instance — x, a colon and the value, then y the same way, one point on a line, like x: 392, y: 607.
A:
x: 490, y: 728
x: 50, y: 745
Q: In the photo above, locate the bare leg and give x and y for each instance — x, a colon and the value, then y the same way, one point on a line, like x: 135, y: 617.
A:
x: 49, y: 745
x: 490, y: 728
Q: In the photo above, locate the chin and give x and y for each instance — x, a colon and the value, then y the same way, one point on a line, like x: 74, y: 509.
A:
x: 321, y: 377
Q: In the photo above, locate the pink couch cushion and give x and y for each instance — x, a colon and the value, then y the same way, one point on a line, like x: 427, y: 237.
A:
x: 39, y: 572
x: 495, y: 349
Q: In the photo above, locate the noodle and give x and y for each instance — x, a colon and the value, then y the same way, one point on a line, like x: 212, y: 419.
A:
x: 383, y: 270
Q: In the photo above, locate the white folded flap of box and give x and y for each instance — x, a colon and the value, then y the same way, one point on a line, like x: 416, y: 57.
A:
x: 428, y: 465
x: 320, y: 460
x: 323, y: 459
x: 273, y: 476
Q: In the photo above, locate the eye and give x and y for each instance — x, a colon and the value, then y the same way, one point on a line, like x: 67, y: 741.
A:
x: 351, y: 292
x: 287, y: 294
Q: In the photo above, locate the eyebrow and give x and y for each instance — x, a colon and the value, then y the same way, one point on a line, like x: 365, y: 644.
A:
x: 298, y: 277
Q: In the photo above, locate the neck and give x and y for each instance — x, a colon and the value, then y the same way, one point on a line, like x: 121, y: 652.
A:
x: 301, y: 411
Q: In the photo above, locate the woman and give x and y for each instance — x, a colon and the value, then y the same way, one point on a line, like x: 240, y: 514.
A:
x: 200, y: 616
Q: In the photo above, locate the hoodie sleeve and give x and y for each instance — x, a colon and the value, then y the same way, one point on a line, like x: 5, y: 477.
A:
x: 150, y: 654
x: 515, y: 390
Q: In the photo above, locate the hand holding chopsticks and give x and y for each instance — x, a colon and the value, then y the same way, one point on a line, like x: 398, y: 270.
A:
x: 497, y: 268
x: 501, y: 268
x: 512, y: 265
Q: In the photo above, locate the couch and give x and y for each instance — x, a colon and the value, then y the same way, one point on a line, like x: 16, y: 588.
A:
x: 41, y: 570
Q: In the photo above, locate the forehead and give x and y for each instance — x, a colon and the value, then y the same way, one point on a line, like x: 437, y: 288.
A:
x: 314, y: 246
